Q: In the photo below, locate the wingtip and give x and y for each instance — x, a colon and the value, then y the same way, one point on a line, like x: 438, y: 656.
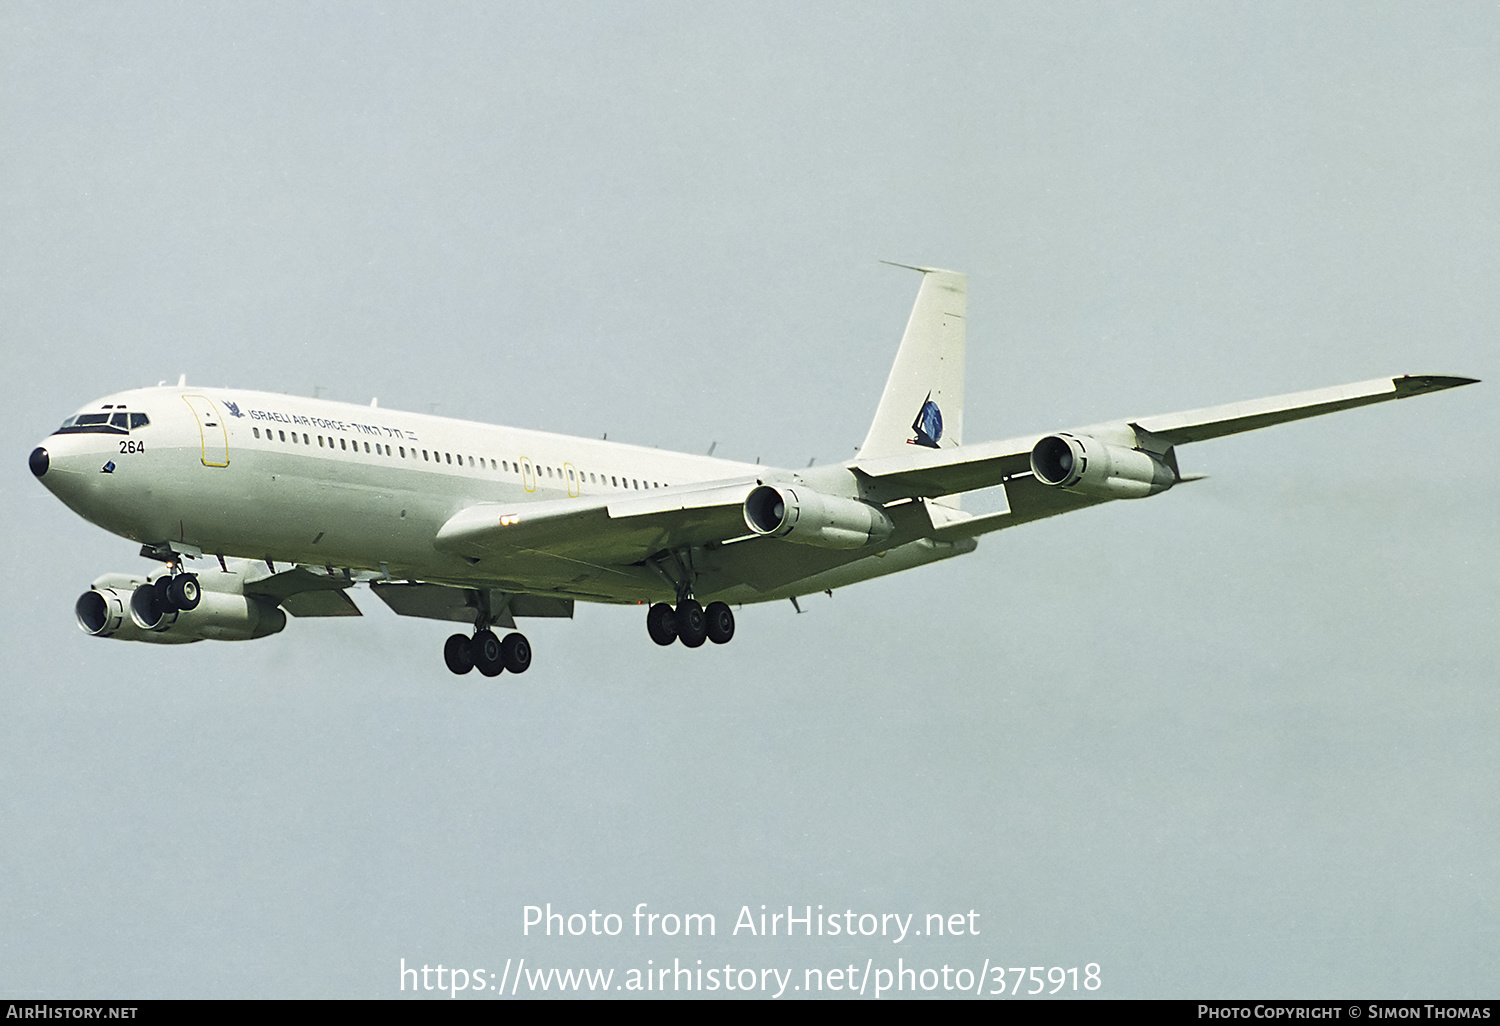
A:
x: 1418, y: 384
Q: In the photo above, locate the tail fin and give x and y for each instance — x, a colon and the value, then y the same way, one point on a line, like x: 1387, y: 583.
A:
x: 923, y: 403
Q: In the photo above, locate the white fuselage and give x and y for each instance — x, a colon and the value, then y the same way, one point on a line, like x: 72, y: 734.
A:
x: 290, y: 479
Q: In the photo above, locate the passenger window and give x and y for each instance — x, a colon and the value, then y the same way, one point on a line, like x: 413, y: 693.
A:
x: 320, y: 441
x: 257, y: 432
x: 283, y: 435
x: 367, y: 447
x: 402, y: 450
x: 614, y: 482
x: 341, y: 444
x: 424, y: 455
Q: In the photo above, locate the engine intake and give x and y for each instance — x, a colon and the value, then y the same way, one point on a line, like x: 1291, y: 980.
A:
x: 1085, y: 464
x: 802, y: 515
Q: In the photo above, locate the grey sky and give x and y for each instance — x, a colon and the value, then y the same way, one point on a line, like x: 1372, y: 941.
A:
x: 1235, y: 740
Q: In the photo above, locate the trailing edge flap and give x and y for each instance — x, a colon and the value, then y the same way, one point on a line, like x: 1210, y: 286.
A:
x: 304, y: 591
x: 605, y: 531
x: 320, y: 603
x: 442, y: 602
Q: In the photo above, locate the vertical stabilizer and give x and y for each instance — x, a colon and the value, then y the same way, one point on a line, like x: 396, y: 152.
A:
x: 923, y: 402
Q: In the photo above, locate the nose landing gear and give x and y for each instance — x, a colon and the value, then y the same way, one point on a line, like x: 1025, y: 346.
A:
x: 183, y: 591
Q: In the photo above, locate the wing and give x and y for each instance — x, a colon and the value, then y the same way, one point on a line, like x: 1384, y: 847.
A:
x: 927, y: 473
x: 588, y: 540
x: 601, y: 533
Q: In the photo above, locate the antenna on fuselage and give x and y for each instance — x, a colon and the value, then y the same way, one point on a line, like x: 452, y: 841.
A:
x: 374, y: 403
x: 712, y: 447
x: 182, y: 381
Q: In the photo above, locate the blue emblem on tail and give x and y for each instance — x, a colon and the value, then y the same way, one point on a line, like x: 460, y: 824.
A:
x: 928, y: 425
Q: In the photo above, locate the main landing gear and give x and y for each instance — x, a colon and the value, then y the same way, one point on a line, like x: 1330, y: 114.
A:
x: 488, y: 654
x: 690, y: 623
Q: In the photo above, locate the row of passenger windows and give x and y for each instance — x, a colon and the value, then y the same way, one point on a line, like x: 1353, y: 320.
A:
x: 574, y: 477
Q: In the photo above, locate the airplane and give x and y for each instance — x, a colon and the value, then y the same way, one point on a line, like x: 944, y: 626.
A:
x: 298, y: 500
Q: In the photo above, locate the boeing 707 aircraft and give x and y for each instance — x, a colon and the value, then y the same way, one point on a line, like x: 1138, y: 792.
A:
x: 259, y: 505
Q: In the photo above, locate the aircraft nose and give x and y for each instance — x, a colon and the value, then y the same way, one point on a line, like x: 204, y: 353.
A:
x: 39, y: 461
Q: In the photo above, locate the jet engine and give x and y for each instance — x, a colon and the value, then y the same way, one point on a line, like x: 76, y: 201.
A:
x: 130, y: 609
x: 799, y: 514
x: 1087, y: 465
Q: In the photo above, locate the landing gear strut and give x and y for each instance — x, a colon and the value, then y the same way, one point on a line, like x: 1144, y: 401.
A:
x: 488, y: 654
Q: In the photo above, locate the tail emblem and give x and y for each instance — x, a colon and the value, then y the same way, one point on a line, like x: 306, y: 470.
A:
x: 928, y: 425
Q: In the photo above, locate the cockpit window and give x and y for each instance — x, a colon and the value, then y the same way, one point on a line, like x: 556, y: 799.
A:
x: 120, y: 423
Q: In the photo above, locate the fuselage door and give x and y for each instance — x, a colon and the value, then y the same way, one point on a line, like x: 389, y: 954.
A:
x: 528, y: 475
x: 572, y: 474
x: 211, y: 429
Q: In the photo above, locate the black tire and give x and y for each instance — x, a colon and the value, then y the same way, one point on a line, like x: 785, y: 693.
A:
x: 487, y: 654
x: 185, y: 592
x: 661, y: 624
x: 458, y: 655
x: 720, y: 623
x: 163, y: 604
x: 515, y: 651
x: 692, y: 625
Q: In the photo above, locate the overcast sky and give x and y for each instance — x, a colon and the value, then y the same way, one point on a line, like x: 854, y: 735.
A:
x: 1235, y: 740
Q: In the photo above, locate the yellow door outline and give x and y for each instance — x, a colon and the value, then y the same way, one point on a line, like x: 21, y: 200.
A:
x: 572, y: 475
x: 528, y: 475
x: 211, y: 430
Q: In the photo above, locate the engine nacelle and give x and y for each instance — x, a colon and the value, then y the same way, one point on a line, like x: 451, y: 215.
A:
x: 105, y: 613
x: 1087, y: 465
x: 219, y: 616
x: 126, y: 607
x: 799, y: 514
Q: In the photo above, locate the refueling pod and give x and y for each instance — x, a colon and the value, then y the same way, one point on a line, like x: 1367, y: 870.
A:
x: 1086, y: 464
x: 799, y: 514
